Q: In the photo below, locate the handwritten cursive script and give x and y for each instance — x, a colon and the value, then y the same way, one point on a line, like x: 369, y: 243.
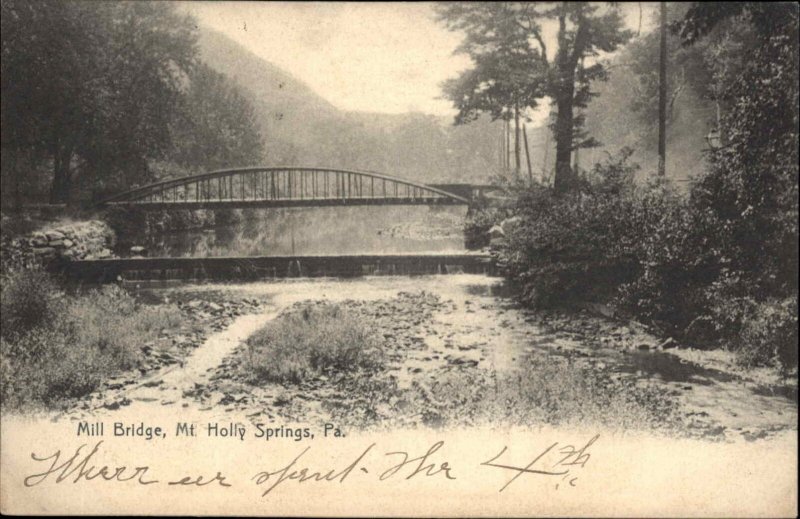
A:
x: 81, y: 467
x: 570, y: 458
x: 557, y: 460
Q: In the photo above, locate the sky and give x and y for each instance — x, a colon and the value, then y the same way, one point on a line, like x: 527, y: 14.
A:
x: 370, y: 57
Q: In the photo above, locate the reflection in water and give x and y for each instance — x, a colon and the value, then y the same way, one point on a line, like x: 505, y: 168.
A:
x: 323, y: 230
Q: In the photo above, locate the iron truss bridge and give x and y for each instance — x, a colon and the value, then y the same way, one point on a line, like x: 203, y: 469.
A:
x: 291, y: 187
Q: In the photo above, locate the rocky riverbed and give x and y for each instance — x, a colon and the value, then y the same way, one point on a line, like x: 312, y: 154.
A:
x: 458, y: 353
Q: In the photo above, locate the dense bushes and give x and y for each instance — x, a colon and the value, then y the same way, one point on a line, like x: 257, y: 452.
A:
x: 54, y: 347
x: 576, y: 246
x: 721, y: 264
x: 477, y: 226
x: 667, y: 259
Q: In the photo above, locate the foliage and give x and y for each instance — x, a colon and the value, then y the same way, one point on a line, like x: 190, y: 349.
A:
x: 29, y: 299
x: 94, y: 82
x: 769, y: 334
x: 509, y: 73
x: 761, y: 332
x: 112, y: 94
x: 659, y: 256
x: 477, y: 226
x: 575, y: 246
x: 547, y: 390
x: 307, y: 342
x: 752, y: 187
x: 216, y: 126
x: 64, y: 347
x: 508, y: 36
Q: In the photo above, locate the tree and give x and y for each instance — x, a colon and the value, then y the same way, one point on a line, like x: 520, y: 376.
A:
x: 48, y: 67
x: 662, y: 92
x: 508, y: 76
x: 215, y: 126
x: 91, y: 86
x: 584, y: 31
x: 752, y: 185
x: 150, y: 50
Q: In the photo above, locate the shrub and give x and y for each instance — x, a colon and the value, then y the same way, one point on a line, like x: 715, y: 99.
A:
x: 67, y: 345
x: 685, y: 264
x: 574, y: 246
x: 761, y: 333
x: 28, y: 299
x: 476, y: 228
x: 306, y: 342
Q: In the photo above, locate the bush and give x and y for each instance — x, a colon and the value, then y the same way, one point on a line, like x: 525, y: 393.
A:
x: 477, y: 226
x: 58, y: 346
x: 304, y: 343
x: 761, y: 333
x: 573, y: 246
x: 28, y: 299
x: 678, y: 262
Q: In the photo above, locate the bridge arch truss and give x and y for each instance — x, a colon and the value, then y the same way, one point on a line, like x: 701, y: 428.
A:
x: 283, y: 187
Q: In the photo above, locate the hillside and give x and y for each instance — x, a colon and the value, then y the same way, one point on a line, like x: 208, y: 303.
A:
x: 302, y: 128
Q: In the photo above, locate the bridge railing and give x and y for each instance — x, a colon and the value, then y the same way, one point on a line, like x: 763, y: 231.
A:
x: 283, y: 184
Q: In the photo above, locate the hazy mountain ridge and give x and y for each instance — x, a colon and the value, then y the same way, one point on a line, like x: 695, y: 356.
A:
x: 300, y: 127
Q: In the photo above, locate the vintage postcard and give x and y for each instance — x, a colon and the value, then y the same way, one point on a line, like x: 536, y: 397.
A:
x: 399, y: 259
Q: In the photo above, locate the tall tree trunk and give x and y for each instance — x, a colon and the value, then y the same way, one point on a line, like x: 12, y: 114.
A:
x: 545, y: 173
x: 662, y: 95
x: 508, y: 145
x: 59, y: 191
x: 17, y: 180
x: 527, y: 154
x: 55, y: 187
x: 564, y: 119
x: 503, y: 148
x: 517, y: 158
x: 566, y: 64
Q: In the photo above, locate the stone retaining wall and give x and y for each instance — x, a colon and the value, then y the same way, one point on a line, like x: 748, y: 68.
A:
x: 91, y: 239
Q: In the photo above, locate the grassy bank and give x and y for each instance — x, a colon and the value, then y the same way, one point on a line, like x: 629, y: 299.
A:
x: 55, y: 346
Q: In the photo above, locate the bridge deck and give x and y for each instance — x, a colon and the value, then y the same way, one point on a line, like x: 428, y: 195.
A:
x: 284, y: 187
x: 284, y: 202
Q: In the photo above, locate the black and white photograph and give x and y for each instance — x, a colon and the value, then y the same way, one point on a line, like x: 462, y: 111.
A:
x: 440, y: 259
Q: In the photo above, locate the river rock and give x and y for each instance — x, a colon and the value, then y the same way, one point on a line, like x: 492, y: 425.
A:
x: 37, y: 240
x: 667, y: 344
x: 509, y: 223
x: 601, y: 309
x: 497, y: 232
x: 44, y: 251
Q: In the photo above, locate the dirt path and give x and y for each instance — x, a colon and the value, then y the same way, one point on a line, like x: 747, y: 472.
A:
x: 451, y: 324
